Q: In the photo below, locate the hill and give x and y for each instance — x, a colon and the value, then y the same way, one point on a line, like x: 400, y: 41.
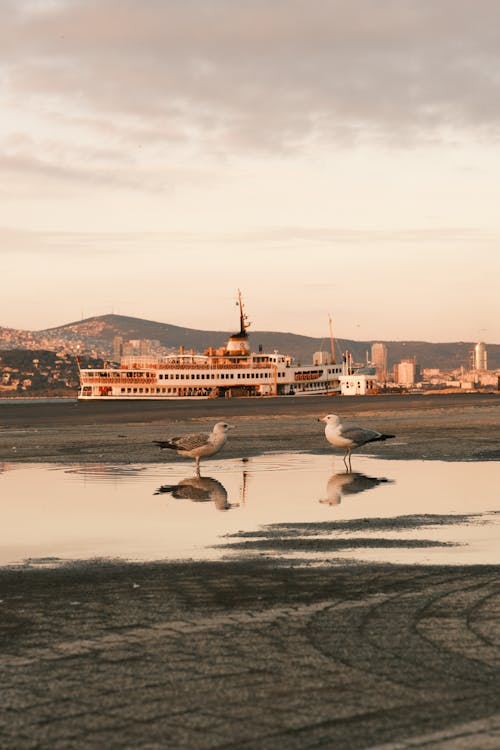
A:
x: 97, y: 334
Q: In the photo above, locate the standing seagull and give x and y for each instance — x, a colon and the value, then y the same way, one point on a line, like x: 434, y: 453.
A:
x: 349, y: 436
x: 198, y: 444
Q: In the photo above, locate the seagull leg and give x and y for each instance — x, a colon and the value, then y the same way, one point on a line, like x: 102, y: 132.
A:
x: 197, y: 459
x: 345, y: 462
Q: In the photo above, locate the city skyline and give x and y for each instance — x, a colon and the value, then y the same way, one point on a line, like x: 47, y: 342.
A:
x: 325, y: 158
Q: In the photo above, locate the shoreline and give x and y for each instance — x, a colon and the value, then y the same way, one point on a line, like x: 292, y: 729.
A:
x: 454, y: 428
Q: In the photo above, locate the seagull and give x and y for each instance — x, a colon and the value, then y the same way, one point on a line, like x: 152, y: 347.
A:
x: 199, y: 490
x: 198, y: 444
x: 349, y: 483
x: 349, y: 436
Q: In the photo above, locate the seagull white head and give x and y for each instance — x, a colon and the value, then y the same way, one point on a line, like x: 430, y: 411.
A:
x: 329, y: 419
x: 223, y: 427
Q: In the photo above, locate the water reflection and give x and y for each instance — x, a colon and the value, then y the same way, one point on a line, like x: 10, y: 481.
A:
x: 349, y: 483
x: 420, y: 511
x: 103, y: 472
x: 199, y: 490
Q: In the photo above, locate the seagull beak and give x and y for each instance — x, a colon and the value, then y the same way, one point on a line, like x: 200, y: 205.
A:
x: 321, y: 419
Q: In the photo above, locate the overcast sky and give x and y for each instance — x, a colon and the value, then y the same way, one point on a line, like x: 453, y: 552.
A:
x: 327, y: 157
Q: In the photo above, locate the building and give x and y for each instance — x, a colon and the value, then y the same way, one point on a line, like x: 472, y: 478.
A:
x: 359, y: 383
x: 480, y: 357
x: 379, y: 361
x: 407, y: 372
x: 117, y: 348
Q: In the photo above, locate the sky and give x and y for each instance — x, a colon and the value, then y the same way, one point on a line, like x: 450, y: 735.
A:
x: 327, y: 157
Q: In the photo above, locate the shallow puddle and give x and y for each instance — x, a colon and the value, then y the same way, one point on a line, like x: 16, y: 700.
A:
x: 295, y: 506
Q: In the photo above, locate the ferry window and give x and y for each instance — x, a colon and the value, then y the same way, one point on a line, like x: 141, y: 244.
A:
x: 122, y: 390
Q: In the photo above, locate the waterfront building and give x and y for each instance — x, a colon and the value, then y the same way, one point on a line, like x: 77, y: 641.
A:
x: 379, y: 361
x: 359, y: 382
x: 117, y: 348
x: 407, y: 372
x: 480, y: 356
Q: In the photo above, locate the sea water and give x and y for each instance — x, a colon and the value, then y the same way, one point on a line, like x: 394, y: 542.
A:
x: 290, y: 506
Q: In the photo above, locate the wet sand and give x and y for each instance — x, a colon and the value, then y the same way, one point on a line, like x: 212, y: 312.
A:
x: 250, y: 653
x: 442, y: 427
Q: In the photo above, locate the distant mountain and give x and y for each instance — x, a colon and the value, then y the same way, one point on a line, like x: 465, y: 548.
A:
x: 97, y: 333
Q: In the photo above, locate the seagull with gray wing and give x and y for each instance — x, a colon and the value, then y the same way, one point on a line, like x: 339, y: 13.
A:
x: 198, y: 444
x: 349, y: 436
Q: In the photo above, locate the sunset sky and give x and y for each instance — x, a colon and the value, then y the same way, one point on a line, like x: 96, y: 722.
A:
x: 327, y: 157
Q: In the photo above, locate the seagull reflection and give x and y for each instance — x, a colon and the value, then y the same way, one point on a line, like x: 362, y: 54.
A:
x: 349, y: 483
x: 199, y: 490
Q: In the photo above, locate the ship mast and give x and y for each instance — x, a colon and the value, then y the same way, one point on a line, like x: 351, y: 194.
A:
x: 332, y: 341
x: 244, y: 322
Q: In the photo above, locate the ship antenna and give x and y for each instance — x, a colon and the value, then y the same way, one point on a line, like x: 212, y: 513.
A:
x: 244, y: 322
x: 332, y: 340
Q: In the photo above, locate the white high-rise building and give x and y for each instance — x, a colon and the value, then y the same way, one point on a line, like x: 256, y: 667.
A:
x: 480, y: 357
x: 407, y: 372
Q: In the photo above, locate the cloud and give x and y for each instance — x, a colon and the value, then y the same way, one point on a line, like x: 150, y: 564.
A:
x: 289, y: 235
x: 237, y: 76
x: 15, y: 240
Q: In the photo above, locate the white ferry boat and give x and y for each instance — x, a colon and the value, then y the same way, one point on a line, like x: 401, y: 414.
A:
x: 231, y: 371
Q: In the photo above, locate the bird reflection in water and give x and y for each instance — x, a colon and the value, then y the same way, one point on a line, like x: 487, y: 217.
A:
x: 350, y: 483
x: 199, y: 490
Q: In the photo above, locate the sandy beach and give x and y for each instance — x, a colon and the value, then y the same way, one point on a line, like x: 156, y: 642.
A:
x: 250, y: 653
